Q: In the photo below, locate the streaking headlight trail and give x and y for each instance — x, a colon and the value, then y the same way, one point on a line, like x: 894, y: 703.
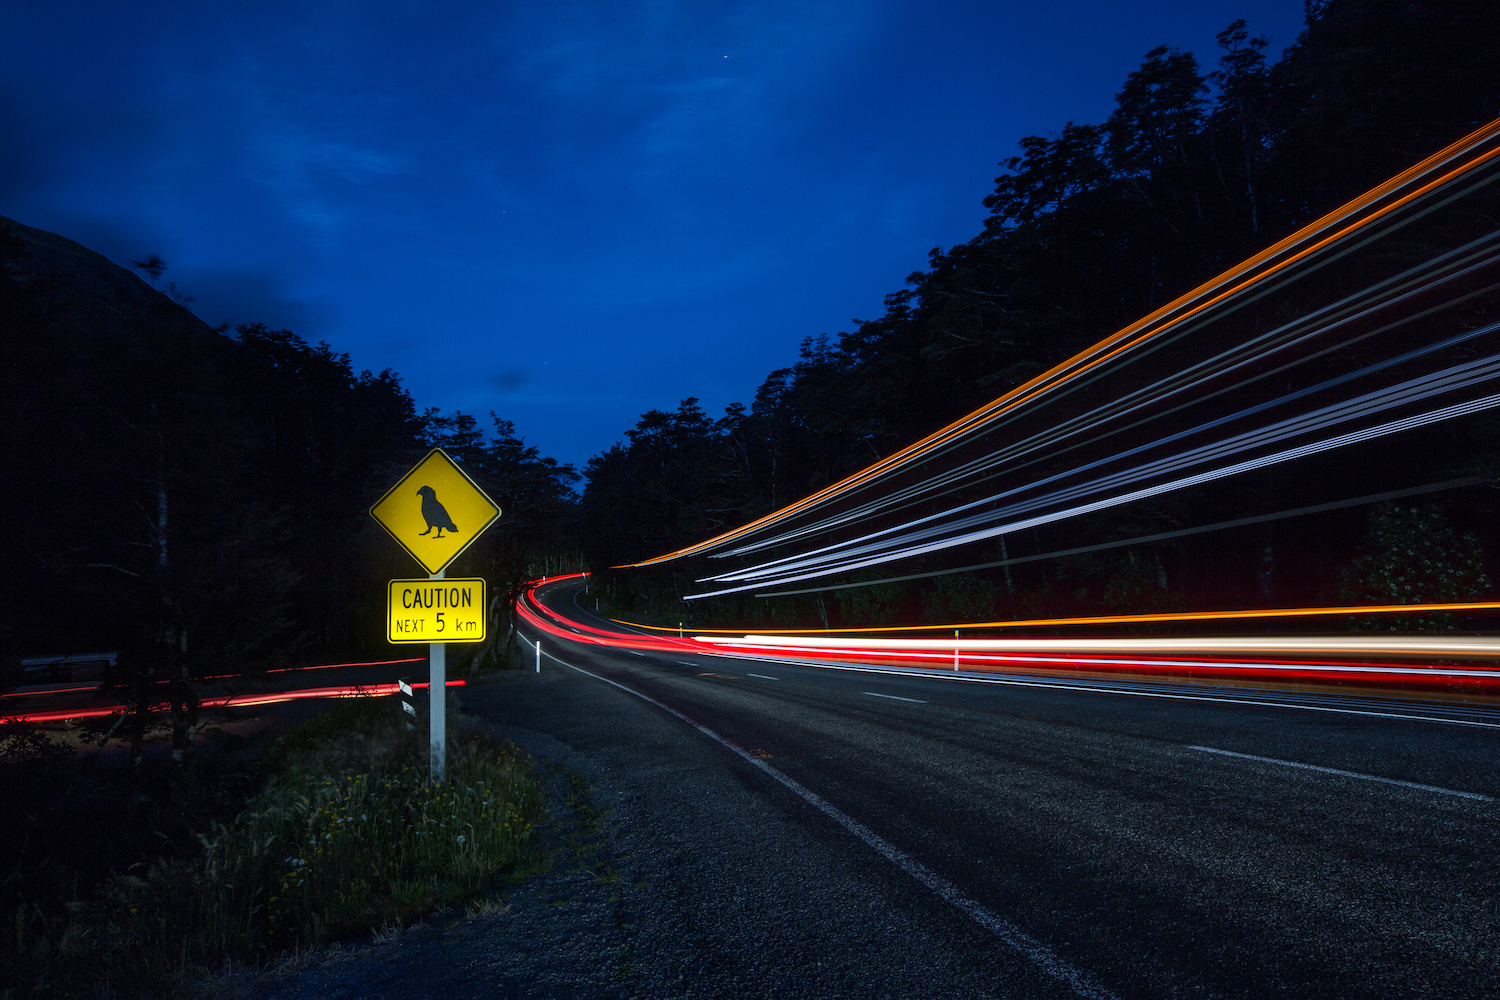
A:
x: 1337, y: 341
x: 1427, y: 187
x: 1447, y: 667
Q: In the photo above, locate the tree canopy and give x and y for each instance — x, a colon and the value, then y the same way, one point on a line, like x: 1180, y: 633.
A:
x: 1088, y: 228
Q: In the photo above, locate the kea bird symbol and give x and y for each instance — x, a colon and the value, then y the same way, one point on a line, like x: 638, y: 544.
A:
x: 434, y: 513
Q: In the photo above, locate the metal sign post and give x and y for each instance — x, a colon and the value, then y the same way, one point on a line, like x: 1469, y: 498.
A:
x: 437, y: 705
x: 436, y: 496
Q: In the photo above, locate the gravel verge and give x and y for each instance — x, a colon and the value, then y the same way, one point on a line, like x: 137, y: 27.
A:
x: 680, y: 872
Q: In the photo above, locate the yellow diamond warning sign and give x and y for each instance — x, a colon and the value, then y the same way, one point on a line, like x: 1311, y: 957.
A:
x: 435, y: 511
x: 435, y: 610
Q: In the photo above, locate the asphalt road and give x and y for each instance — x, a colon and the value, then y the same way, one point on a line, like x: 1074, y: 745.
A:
x: 1118, y: 840
x: 784, y: 831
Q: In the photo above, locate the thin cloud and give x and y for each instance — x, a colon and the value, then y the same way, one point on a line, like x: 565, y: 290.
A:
x: 508, y: 380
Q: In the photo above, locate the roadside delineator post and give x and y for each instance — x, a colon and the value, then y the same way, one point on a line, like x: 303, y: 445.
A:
x: 407, y: 709
x: 539, y: 656
x: 436, y: 496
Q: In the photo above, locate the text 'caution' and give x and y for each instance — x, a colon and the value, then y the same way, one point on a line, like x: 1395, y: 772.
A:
x: 435, y: 610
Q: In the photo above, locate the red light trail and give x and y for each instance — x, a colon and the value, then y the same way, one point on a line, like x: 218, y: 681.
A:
x: 1372, y: 662
x: 223, y: 701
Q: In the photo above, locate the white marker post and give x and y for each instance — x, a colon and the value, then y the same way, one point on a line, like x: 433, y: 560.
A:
x: 437, y: 705
x: 539, y: 656
x: 408, y: 713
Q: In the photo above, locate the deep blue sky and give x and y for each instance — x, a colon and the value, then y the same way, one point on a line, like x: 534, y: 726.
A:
x: 567, y: 212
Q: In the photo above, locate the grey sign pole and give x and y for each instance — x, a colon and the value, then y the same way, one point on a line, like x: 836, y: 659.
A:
x: 437, y: 705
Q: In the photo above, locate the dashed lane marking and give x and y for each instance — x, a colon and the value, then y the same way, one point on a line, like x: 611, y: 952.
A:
x: 894, y: 697
x: 1347, y: 774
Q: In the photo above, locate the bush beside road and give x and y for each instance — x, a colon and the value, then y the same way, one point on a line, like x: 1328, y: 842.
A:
x: 345, y: 835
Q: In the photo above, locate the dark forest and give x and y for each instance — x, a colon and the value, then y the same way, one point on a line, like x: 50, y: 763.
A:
x: 1202, y: 163
x: 191, y: 496
x: 194, y: 500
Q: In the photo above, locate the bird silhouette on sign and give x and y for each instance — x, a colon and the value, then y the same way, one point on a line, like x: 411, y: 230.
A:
x: 434, y: 513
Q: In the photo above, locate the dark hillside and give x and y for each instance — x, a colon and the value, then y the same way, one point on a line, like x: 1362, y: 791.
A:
x: 181, y: 496
x: 199, y: 500
x: 68, y: 295
x: 196, y: 503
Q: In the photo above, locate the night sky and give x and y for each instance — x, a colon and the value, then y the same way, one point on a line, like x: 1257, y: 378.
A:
x: 565, y: 212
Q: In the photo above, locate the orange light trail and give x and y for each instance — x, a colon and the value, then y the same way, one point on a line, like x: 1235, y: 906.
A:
x: 1251, y: 272
x: 1173, y: 616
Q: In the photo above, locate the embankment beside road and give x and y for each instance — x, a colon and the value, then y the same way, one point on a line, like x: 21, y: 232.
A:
x: 218, y: 863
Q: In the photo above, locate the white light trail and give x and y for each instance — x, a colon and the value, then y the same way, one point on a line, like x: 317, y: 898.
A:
x: 1458, y: 377
x: 1317, y: 447
x: 1436, y: 181
x: 1147, y: 539
x: 1463, y: 262
x: 1412, y: 644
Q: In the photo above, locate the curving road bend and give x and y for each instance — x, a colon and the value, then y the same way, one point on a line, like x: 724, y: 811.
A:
x: 824, y: 832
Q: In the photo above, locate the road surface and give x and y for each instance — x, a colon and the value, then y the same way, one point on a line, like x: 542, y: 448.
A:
x: 1048, y: 842
x: 772, y: 830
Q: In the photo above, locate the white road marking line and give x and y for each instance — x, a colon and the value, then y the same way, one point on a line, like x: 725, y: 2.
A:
x: 893, y: 697
x: 1039, y: 954
x: 1347, y: 774
x: 764, y: 677
x: 635, y: 652
x: 686, y: 663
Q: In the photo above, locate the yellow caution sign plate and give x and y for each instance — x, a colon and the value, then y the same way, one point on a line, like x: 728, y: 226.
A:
x: 435, y: 610
x: 435, y: 511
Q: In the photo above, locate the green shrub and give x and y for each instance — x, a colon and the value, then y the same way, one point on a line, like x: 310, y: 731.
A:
x: 1413, y: 556
x: 347, y: 835
x: 366, y: 850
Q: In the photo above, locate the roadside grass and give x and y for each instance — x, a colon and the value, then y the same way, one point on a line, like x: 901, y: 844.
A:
x: 346, y: 836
